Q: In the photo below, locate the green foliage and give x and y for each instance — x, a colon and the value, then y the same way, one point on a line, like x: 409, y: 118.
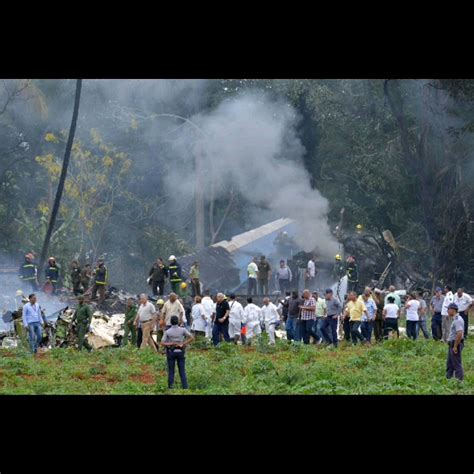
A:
x: 393, y: 367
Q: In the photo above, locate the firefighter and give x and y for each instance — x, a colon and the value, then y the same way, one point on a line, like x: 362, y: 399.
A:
x: 338, y: 269
x: 352, y: 273
x: 28, y: 272
x: 52, y: 273
x: 100, y: 280
x: 174, y: 270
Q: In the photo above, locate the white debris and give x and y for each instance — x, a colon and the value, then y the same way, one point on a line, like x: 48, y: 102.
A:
x: 104, y: 329
x: 10, y: 342
x: 280, y: 334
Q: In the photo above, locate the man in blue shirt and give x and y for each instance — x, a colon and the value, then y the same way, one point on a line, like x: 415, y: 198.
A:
x: 33, y: 321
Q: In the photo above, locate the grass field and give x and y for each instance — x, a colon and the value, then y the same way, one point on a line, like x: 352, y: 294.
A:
x: 393, y: 367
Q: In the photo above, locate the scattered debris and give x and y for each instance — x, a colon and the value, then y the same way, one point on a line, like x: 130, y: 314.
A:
x: 10, y: 342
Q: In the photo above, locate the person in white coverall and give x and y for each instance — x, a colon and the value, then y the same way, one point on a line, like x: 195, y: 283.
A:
x: 270, y: 317
x: 209, y: 309
x: 236, y: 316
x: 252, y: 316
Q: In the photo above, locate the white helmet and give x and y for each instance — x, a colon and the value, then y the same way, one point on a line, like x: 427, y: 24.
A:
x: 172, y: 257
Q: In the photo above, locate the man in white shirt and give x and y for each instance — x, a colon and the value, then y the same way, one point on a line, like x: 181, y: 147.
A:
x: 311, y: 273
x: 252, y: 317
x: 172, y: 307
x: 445, y: 321
x: 463, y: 302
x: 252, y: 270
x: 236, y: 316
x: 146, y: 315
x: 209, y: 310
x: 270, y: 317
x: 412, y: 307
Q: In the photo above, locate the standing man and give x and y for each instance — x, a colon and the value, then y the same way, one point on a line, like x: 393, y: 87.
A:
x: 221, y: 320
x: 236, y: 317
x: 307, y: 316
x: 86, y: 276
x: 158, y: 273
x: 175, y: 340
x: 354, y: 309
x: 83, y: 317
x: 146, y: 315
x: 195, y: 282
x: 174, y: 271
x: 320, y: 313
x: 378, y: 322
x: 75, y: 275
x: 270, y: 317
x: 311, y: 272
x: 284, y: 277
x: 264, y: 275
x: 28, y: 272
x: 463, y: 302
x: 338, y: 268
x: 436, y: 304
x: 294, y: 303
x: 52, y: 273
x: 422, y: 324
x: 172, y: 307
x: 445, y: 321
x: 100, y: 280
x: 252, y: 271
x: 252, y: 317
x: 333, y: 310
x: 33, y: 321
x: 129, y: 323
x: 352, y: 273
x: 209, y: 311
x: 367, y: 324
x: 456, y: 344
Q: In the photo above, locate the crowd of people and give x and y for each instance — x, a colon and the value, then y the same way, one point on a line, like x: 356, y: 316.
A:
x: 312, y: 317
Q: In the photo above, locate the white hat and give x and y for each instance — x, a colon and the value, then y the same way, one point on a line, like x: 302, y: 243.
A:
x: 172, y: 257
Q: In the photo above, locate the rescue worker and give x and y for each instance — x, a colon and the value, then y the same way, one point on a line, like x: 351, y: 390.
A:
x: 175, y: 340
x: 86, y: 276
x: 100, y: 280
x: 338, y: 269
x: 129, y: 323
x: 455, y: 343
x: 236, y: 317
x: 75, y: 275
x: 174, y: 271
x: 52, y: 273
x: 284, y: 277
x: 198, y: 326
x: 270, y: 318
x: 352, y: 273
x: 158, y: 274
x: 83, y: 317
x: 264, y: 275
x: 159, y: 325
x: 311, y: 273
x: 252, y: 272
x: 28, y: 272
x: 195, y: 283
x: 183, y: 290
x: 251, y: 320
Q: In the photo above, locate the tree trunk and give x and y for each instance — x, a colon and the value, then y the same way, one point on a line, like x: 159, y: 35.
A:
x: 62, y: 178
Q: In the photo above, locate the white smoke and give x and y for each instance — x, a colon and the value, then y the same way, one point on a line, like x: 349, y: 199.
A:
x: 249, y: 143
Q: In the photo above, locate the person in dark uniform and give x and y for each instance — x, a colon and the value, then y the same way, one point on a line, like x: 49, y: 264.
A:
x: 455, y: 344
x: 175, y: 340
x: 29, y: 272
x: 83, y: 317
x: 352, y: 273
x: 52, y: 273
x: 221, y: 320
